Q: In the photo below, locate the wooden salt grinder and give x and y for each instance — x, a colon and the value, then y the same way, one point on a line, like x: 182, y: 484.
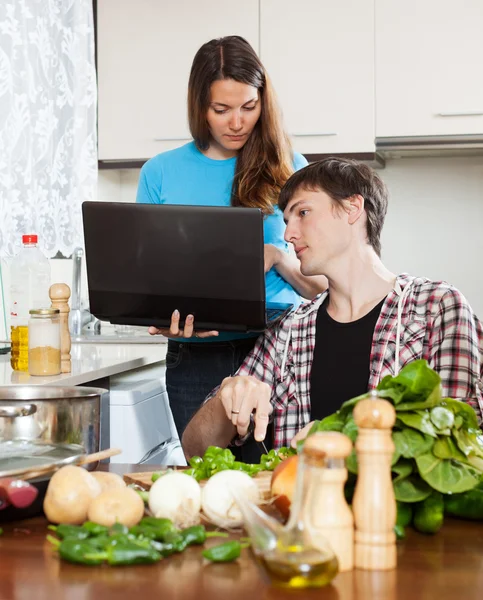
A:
x: 332, y: 518
x: 59, y: 295
x: 374, y: 504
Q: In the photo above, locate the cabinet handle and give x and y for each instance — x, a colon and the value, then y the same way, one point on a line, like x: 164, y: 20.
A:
x: 172, y: 139
x: 463, y: 113
x: 321, y: 134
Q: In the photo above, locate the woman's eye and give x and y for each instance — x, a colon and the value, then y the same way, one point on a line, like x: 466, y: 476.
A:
x: 249, y: 107
x: 219, y: 112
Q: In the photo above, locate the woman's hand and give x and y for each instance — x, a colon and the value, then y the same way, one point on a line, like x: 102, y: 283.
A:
x: 272, y: 256
x: 175, y: 332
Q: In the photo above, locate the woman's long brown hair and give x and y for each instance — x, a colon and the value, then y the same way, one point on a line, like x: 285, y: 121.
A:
x: 266, y: 160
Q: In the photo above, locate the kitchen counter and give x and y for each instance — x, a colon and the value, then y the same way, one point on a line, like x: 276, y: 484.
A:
x: 90, y: 362
x: 444, y: 566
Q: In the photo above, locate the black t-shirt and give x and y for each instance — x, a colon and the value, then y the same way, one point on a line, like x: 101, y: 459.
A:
x: 340, y: 368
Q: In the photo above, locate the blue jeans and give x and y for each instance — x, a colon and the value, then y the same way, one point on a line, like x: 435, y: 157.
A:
x: 194, y: 369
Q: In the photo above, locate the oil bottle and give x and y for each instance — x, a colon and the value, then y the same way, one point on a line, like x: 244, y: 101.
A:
x: 288, y: 554
x: 29, y: 289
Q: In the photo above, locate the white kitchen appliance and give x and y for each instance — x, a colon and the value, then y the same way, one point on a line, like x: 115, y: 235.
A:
x: 141, y: 423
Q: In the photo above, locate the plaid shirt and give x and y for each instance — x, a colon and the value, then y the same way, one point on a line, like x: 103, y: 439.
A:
x: 437, y: 324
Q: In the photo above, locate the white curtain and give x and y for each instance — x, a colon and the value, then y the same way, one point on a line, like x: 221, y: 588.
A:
x: 48, y: 145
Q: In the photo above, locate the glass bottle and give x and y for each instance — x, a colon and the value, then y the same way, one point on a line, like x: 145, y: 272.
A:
x: 44, y: 342
x: 295, y: 555
x: 29, y: 288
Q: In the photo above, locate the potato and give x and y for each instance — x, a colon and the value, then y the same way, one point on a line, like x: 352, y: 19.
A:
x: 109, y: 481
x: 69, y: 493
x: 121, y: 505
x: 282, y: 486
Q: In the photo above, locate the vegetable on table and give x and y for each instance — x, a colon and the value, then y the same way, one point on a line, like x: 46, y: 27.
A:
x: 116, y: 505
x: 109, y: 481
x: 69, y: 494
x: 438, y: 459
x: 226, y: 552
x: 218, y: 503
x: 177, y: 497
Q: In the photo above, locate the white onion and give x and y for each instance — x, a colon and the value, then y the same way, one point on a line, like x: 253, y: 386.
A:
x: 217, y: 501
x: 176, y: 496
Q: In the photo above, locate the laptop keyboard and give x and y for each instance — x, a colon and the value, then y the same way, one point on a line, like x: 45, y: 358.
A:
x: 276, y: 314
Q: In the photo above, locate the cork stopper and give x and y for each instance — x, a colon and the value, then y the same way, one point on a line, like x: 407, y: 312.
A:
x: 332, y: 443
x: 374, y: 413
x: 59, y: 291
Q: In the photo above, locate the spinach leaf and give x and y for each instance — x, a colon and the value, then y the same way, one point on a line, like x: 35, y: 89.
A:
x: 446, y: 476
x: 350, y: 429
x: 469, y: 441
x: 403, y: 468
x: 445, y: 448
x: 333, y: 422
x: 411, y: 489
x: 463, y: 410
x: 351, y: 462
x: 442, y: 417
x: 410, y: 443
x: 433, y: 399
x: 418, y: 379
x: 419, y: 420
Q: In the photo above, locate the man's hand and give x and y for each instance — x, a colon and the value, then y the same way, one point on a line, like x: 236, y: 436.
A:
x: 243, y: 395
x: 301, y: 435
x: 174, y: 331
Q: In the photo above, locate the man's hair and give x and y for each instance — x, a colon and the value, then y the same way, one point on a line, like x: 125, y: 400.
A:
x: 341, y: 178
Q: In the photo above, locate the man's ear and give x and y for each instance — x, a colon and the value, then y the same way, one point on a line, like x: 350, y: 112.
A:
x: 355, y: 208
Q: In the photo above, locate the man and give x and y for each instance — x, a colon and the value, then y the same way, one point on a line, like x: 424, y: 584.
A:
x: 370, y: 323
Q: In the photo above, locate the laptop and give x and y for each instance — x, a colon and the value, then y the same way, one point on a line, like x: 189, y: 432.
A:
x: 146, y: 260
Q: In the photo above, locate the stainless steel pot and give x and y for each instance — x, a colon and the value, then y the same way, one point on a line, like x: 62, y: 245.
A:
x: 33, y: 418
x: 51, y: 414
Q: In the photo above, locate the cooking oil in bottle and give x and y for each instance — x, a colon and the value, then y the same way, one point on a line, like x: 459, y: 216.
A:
x: 29, y: 288
x: 19, y: 357
x: 297, y: 567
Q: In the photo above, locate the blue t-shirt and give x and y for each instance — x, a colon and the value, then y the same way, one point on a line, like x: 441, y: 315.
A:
x: 186, y: 176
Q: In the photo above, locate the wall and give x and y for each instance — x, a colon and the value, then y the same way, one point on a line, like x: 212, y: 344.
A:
x: 434, y: 223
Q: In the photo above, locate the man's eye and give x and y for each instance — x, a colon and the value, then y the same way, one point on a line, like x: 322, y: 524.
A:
x: 303, y: 212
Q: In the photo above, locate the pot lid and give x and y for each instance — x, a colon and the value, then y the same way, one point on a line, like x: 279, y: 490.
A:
x: 27, y: 459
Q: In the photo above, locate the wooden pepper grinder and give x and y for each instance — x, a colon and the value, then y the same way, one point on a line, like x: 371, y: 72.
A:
x: 332, y: 518
x: 59, y: 295
x: 374, y: 504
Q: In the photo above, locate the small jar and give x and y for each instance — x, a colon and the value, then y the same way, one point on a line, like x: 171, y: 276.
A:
x: 44, y: 342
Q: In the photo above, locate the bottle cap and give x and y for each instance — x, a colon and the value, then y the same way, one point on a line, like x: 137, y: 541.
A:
x: 30, y: 238
x: 45, y: 312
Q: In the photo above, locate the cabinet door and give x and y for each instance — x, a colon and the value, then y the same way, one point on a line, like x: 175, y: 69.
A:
x: 429, y: 67
x: 144, y: 50
x: 320, y: 56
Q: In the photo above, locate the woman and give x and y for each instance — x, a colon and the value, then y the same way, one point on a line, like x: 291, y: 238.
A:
x: 240, y: 156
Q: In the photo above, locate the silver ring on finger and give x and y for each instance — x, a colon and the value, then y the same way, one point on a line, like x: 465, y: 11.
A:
x: 235, y: 412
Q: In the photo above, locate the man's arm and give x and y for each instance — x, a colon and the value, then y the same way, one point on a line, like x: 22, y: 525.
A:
x: 208, y: 427
x: 456, y: 339
x: 248, y: 391
x: 229, y: 412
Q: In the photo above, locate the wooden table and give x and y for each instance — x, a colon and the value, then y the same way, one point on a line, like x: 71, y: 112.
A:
x: 448, y: 565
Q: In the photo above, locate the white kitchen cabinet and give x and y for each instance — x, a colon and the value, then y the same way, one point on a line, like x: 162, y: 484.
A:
x: 320, y: 56
x: 429, y: 68
x: 144, y: 51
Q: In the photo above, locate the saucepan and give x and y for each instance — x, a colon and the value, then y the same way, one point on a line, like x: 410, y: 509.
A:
x: 41, y: 429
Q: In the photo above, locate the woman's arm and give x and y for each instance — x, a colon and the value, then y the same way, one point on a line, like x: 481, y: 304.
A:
x: 288, y: 267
